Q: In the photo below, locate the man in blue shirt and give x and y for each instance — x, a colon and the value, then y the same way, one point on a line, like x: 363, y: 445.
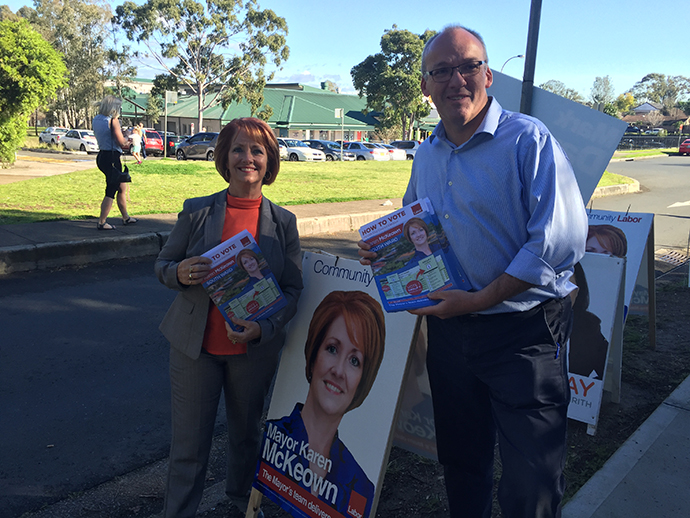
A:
x: 509, y: 203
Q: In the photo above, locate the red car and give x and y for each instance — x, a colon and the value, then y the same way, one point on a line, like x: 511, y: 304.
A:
x: 684, y: 148
x: 154, y: 143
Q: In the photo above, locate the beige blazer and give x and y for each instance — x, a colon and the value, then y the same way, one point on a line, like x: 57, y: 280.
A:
x: 199, y: 228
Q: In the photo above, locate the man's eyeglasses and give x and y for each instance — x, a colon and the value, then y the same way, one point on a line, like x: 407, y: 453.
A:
x: 443, y: 74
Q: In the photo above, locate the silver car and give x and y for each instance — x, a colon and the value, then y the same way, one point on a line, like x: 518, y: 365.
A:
x: 330, y: 149
x: 52, y: 135
x: 366, y: 151
x: 201, y: 145
x: 79, y: 140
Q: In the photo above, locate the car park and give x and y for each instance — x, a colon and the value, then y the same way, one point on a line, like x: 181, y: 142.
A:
x: 330, y: 149
x: 394, y: 153
x: 684, y: 148
x: 200, y: 146
x: 366, y: 151
x: 410, y: 147
x: 79, y: 140
x: 299, y: 151
x: 52, y: 135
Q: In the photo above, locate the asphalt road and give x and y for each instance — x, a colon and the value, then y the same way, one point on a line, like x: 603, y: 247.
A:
x: 84, y: 388
x: 665, y: 184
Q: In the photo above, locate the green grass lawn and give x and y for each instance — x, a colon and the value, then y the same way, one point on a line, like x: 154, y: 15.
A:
x: 160, y: 187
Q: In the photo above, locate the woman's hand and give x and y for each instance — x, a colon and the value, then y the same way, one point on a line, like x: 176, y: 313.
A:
x: 364, y: 253
x: 193, y: 270
x: 251, y: 331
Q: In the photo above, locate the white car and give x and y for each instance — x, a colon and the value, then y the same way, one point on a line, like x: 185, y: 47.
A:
x: 52, y: 135
x: 299, y: 151
x: 410, y: 147
x: 394, y: 153
x: 79, y: 140
x: 366, y: 151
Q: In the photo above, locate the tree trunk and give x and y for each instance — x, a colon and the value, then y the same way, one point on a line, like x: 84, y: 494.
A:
x: 200, y: 104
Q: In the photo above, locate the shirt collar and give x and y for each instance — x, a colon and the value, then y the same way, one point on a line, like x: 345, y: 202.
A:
x: 488, y: 125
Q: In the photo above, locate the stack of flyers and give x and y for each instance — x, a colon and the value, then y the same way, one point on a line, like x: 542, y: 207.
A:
x: 240, y: 282
x: 414, y: 257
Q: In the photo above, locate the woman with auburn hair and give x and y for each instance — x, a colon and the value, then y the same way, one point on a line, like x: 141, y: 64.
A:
x: 606, y: 239
x: 343, y: 353
x: 249, y: 261
x: 207, y: 357
x: 416, y: 231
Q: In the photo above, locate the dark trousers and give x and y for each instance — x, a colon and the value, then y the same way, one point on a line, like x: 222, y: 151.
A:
x: 502, y: 374
x: 196, y: 389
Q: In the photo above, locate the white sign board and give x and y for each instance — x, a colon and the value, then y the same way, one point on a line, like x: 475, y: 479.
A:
x: 293, y: 471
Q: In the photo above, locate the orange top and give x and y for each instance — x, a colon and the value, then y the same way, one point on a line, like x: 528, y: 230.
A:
x: 240, y: 214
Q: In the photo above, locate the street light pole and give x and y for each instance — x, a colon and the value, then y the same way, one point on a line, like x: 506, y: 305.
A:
x: 504, y: 64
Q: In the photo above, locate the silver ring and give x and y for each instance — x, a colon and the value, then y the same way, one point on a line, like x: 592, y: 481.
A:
x: 190, y: 276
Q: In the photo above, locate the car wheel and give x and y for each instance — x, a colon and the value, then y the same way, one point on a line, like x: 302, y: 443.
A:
x: 82, y: 148
x: 294, y: 157
x: 410, y: 157
x: 360, y: 157
x: 52, y: 141
x: 209, y: 156
x: 180, y: 154
x: 329, y: 158
x: 64, y: 148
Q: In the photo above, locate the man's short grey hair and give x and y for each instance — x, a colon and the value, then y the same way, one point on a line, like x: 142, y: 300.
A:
x: 446, y: 29
x: 110, y: 106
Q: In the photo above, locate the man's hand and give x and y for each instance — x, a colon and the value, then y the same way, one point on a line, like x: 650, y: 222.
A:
x: 365, y: 254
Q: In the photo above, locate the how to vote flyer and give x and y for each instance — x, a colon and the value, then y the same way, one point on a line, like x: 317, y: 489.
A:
x: 414, y: 257
x: 240, y: 282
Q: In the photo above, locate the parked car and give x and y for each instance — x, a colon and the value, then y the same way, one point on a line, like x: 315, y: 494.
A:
x: 366, y: 151
x: 410, y: 147
x: 282, y: 149
x: 171, y: 142
x: 684, y: 148
x: 154, y: 142
x: 299, y: 151
x: 52, y: 135
x: 80, y: 140
x: 633, y: 129
x: 200, y: 145
x: 394, y: 153
x: 330, y: 149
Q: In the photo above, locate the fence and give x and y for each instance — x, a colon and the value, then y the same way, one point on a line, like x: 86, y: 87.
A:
x: 650, y: 142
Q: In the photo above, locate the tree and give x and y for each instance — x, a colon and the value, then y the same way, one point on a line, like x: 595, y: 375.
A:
x: 625, y: 103
x: 222, y: 45
x: 164, y: 83
x: 662, y: 89
x: 391, y: 79
x: 30, y: 72
x: 559, y: 88
x: 119, y: 62
x: 78, y: 29
x: 602, y: 91
x: 330, y: 86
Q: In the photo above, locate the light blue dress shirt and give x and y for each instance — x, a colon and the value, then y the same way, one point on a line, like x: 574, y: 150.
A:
x: 508, y: 202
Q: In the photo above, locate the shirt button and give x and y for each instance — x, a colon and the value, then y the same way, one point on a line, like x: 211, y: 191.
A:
x: 447, y: 216
x: 450, y: 183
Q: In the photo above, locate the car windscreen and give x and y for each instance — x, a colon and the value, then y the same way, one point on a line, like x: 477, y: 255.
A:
x: 295, y: 143
x: 332, y: 145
